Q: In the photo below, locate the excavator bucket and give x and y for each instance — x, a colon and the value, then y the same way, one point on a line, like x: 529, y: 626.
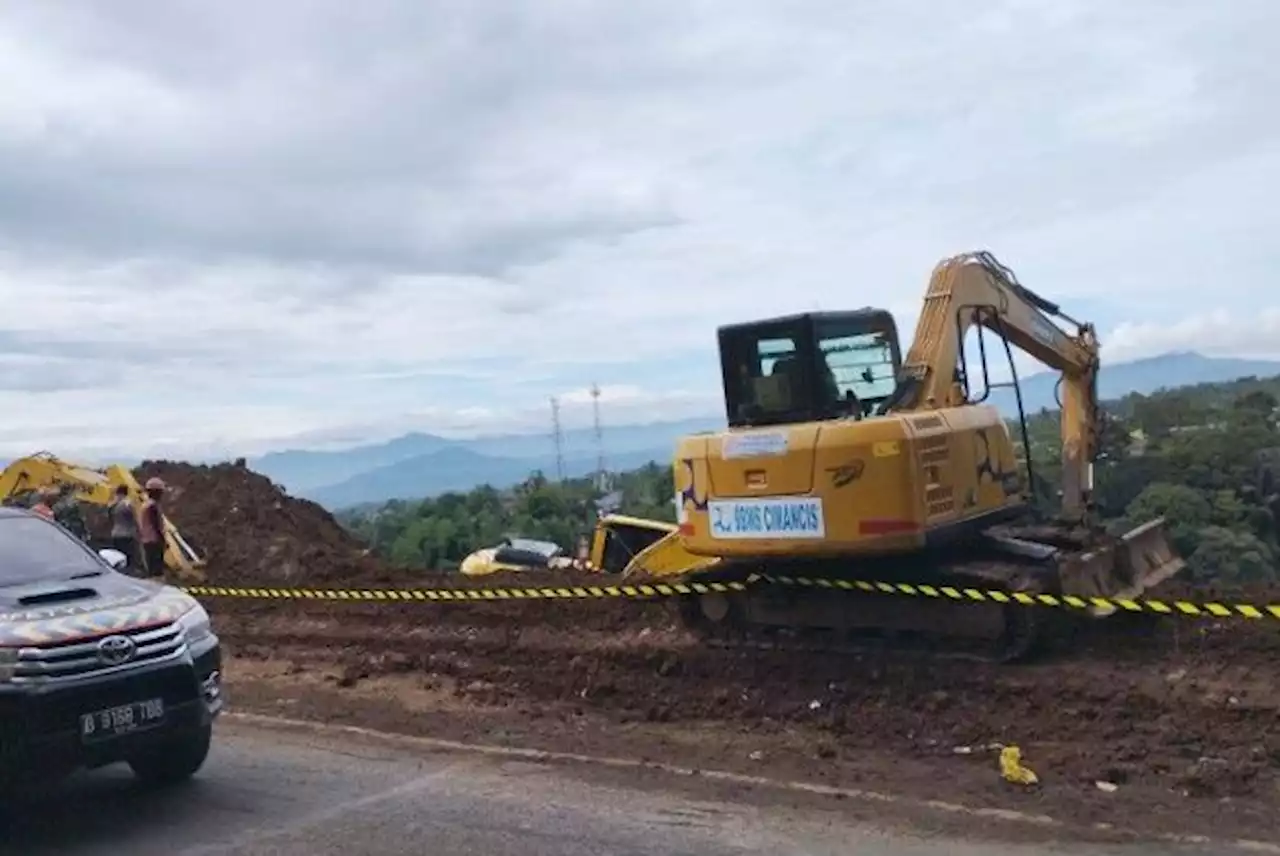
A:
x: 182, y: 558
x: 631, y: 546
x: 666, y: 557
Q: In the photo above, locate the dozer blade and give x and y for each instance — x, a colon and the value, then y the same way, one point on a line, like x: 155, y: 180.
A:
x: 1146, y: 557
x: 1122, y: 568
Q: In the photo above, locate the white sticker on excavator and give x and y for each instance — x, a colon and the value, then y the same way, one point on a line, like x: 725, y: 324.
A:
x: 780, y: 517
x: 754, y: 445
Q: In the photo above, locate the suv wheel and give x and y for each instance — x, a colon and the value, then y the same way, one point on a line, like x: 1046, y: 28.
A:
x: 174, y: 761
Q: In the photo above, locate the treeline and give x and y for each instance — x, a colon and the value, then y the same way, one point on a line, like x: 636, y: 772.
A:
x: 1205, y: 457
x: 439, y: 532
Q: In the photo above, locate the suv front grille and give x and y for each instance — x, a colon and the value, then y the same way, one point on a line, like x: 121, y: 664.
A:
x: 55, y: 662
x: 26, y: 717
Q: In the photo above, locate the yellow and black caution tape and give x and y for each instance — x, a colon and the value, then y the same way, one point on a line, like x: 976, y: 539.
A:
x: 654, y: 590
x: 1066, y: 601
x: 646, y: 590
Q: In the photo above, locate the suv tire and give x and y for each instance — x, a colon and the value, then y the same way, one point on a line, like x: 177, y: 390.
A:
x: 174, y: 761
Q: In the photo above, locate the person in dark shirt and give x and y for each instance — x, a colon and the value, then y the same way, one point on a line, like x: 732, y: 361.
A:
x: 124, y: 526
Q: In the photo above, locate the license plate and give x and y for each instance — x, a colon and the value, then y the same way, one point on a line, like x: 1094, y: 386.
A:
x: 124, y: 719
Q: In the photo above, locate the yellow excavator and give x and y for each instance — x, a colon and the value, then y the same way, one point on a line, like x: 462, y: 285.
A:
x: 844, y: 461
x: 44, y: 471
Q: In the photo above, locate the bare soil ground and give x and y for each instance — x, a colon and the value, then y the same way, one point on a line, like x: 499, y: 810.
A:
x: 1183, y: 740
x: 1180, y: 723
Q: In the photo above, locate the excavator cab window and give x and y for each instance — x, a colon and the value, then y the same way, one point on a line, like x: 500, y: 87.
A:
x: 808, y: 367
x: 860, y: 359
x: 766, y: 372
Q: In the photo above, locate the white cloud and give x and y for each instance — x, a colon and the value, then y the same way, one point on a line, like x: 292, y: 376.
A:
x: 1219, y: 333
x: 344, y: 221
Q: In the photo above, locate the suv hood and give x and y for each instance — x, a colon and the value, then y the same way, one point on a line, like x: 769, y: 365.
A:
x: 53, y: 611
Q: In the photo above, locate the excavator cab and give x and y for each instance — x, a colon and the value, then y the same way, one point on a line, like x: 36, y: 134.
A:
x: 811, y: 367
x: 788, y: 370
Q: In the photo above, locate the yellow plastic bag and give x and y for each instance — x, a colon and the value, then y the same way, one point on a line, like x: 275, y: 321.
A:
x: 1012, y: 769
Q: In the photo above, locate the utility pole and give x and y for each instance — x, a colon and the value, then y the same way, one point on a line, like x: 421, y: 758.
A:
x: 557, y: 435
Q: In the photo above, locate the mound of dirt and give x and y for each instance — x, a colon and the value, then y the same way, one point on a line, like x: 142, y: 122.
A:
x: 253, y: 533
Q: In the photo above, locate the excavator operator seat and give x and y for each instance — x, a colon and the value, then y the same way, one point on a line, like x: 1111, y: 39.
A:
x: 809, y: 367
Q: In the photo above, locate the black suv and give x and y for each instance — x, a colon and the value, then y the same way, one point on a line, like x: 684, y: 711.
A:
x: 97, y: 667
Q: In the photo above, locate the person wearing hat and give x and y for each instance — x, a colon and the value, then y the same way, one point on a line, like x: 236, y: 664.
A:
x: 151, y: 528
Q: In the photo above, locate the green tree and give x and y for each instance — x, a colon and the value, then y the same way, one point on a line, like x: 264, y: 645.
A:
x: 1257, y: 407
x: 1230, y: 555
x: 1184, y: 509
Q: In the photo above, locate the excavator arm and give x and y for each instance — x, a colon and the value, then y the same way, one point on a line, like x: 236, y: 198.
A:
x: 96, y: 487
x: 974, y: 289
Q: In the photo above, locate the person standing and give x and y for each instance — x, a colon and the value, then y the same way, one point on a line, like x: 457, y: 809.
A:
x: 124, y: 525
x: 151, y: 528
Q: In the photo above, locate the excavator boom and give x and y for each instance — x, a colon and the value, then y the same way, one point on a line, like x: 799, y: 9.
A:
x: 975, y: 290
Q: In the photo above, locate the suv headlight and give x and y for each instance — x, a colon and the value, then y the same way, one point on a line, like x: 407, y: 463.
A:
x: 195, y: 623
x: 8, y: 664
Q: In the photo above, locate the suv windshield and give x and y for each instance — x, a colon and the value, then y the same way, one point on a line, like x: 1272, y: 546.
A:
x: 32, y: 550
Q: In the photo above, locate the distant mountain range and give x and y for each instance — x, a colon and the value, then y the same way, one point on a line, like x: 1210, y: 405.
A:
x: 419, y: 465
x: 398, y: 468
x: 1145, y: 376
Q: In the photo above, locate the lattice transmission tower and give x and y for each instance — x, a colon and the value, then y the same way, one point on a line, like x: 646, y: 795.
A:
x: 557, y: 437
x: 602, y: 475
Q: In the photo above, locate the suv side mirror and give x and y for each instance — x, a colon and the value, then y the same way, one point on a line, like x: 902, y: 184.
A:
x: 117, y: 560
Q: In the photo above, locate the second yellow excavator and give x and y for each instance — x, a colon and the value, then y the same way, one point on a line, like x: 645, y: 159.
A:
x: 43, y: 471
x: 842, y: 461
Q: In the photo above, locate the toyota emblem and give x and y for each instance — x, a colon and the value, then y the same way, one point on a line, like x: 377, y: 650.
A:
x: 115, y: 650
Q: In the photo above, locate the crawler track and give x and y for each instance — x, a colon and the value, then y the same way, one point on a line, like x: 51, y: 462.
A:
x: 818, y: 616
x: 940, y: 599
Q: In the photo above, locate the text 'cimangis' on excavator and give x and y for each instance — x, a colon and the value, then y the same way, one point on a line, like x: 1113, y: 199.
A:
x: 844, y: 460
x: 43, y: 471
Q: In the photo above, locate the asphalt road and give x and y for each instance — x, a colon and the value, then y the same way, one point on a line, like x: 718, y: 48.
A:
x: 266, y: 791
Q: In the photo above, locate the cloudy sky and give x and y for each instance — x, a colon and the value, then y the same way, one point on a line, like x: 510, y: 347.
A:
x: 232, y: 226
